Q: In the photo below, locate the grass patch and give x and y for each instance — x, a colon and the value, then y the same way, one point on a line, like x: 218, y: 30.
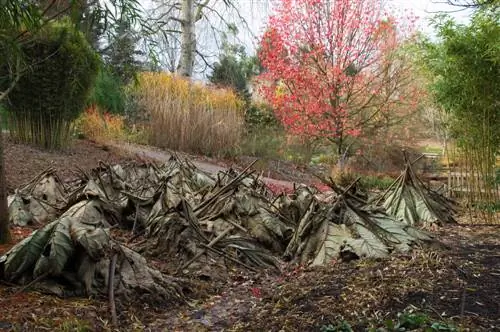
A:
x: 488, y: 207
x: 371, y: 182
x: 432, y: 149
x: 265, y: 143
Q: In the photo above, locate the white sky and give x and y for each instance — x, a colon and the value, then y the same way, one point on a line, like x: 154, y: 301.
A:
x: 255, y: 12
x: 425, y: 9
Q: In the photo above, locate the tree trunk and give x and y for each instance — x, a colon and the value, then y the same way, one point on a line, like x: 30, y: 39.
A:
x: 4, y: 210
x: 188, y: 41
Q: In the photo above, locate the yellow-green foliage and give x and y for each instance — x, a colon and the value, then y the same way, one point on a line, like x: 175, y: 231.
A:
x: 100, y: 126
x: 189, y: 116
x: 342, y: 176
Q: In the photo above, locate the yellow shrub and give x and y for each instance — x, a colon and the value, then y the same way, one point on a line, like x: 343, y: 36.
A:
x: 98, y: 126
x: 189, y: 116
x: 342, y: 177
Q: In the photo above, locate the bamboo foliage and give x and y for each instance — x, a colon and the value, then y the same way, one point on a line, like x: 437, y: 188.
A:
x: 465, y: 65
x: 36, y: 129
x: 473, y: 177
x: 475, y: 152
x: 44, y: 103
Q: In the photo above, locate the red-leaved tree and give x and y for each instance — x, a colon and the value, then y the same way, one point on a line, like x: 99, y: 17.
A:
x: 334, y: 68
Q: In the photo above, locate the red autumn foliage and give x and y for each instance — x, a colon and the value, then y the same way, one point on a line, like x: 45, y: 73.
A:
x: 332, y: 68
x: 256, y: 292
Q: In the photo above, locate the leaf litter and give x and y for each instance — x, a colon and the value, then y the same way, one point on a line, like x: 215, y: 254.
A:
x: 409, y: 200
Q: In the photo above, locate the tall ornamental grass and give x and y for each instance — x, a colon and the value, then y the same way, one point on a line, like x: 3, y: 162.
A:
x: 188, y: 116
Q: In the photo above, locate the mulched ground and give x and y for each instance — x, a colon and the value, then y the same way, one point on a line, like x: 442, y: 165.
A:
x: 24, y: 162
x: 458, y: 283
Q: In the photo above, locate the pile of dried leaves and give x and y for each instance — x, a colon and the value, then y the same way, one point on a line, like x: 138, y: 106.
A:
x: 188, y: 218
x: 74, y: 254
x: 409, y: 200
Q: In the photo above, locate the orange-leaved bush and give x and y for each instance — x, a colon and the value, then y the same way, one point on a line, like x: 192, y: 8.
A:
x: 187, y: 116
x: 334, y: 68
x: 100, y: 126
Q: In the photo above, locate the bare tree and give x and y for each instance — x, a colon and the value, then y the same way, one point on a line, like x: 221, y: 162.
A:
x: 469, y: 4
x: 188, y: 33
x: 188, y: 44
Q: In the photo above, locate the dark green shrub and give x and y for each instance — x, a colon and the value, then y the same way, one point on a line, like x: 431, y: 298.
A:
x: 52, y: 94
x: 3, y: 118
x: 235, y: 69
x: 108, y: 93
x: 260, y: 115
x: 231, y: 72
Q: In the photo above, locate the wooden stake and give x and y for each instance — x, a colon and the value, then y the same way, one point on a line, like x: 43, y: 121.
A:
x: 111, y: 290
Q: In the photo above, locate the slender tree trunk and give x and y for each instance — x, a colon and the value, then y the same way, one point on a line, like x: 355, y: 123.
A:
x: 4, y: 210
x: 341, y: 153
x: 188, y: 41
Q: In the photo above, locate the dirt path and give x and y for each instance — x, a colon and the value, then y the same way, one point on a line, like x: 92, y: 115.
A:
x: 147, y: 152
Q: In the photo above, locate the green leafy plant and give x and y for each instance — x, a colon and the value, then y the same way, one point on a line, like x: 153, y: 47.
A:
x: 340, y: 327
x: 405, y: 321
x: 412, y: 322
x: 437, y: 326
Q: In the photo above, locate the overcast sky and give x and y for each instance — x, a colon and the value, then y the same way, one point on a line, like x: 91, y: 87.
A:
x: 427, y: 8
x: 255, y: 12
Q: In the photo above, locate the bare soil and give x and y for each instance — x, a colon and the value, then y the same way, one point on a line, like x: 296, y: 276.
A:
x: 458, y: 283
